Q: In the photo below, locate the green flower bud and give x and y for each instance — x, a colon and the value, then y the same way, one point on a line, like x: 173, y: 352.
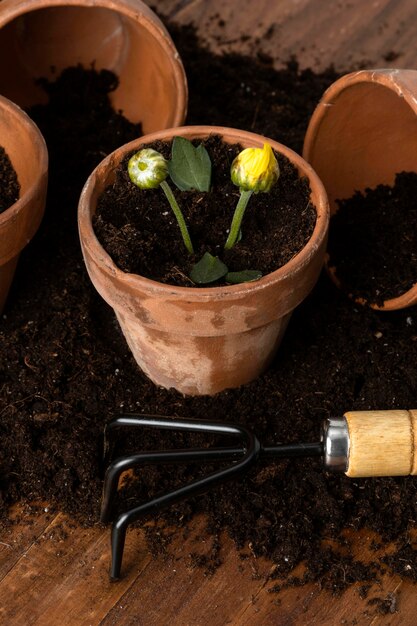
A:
x: 147, y: 169
x: 255, y: 169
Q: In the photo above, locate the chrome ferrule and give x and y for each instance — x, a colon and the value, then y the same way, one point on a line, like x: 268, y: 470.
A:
x: 335, y: 438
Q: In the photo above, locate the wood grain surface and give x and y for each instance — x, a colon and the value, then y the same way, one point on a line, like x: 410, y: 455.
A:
x: 52, y: 572
x: 344, y: 33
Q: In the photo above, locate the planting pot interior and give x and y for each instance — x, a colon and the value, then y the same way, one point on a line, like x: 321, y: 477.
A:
x: 363, y: 132
x: 202, y: 340
x: 44, y: 37
x: 26, y: 148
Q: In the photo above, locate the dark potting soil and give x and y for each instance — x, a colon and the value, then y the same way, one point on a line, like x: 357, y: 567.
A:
x: 9, y: 185
x: 373, y: 240
x: 65, y: 370
x: 248, y: 93
x: 139, y: 231
x: 80, y: 128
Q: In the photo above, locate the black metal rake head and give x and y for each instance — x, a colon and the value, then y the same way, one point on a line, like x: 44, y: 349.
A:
x: 360, y: 443
x: 240, y: 458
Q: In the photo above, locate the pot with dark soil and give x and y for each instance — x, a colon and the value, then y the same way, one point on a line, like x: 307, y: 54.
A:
x: 201, y: 340
x: 123, y: 36
x: 23, y: 181
x: 362, y: 141
x: 373, y: 243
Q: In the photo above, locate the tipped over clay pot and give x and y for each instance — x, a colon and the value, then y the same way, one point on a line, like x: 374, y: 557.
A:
x: 26, y: 148
x: 362, y: 133
x: 202, y: 340
x: 40, y: 38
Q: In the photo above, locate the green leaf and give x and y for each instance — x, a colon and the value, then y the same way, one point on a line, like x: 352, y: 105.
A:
x: 245, y: 276
x: 189, y: 167
x: 208, y: 269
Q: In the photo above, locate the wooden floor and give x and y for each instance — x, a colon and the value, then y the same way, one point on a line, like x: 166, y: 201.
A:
x: 53, y: 572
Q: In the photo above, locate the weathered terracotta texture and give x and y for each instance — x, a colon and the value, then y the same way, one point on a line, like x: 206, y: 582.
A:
x: 201, y: 341
x: 42, y: 37
x: 364, y: 131
x: 26, y: 149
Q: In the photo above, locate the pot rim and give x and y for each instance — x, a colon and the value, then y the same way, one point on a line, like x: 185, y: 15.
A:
x: 137, y: 11
x: 396, y: 80
x: 293, y: 266
x: 29, y: 126
x: 391, y: 78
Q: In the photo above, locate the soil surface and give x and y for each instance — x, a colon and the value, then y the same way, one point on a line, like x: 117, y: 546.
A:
x: 373, y: 240
x: 248, y: 93
x: 9, y: 185
x: 139, y: 231
x: 65, y: 370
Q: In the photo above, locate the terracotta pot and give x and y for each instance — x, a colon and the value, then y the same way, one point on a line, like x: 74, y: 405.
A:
x: 202, y: 340
x: 45, y: 36
x: 361, y: 134
x: 26, y: 148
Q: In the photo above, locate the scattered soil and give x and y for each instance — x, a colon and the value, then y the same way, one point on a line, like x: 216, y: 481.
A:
x: 9, y: 185
x: 50, y: 338
x: 248, y: 93
x: 373, y: 241
x: 65, y: 370
x: 386, y: 605
x: 139, y: 231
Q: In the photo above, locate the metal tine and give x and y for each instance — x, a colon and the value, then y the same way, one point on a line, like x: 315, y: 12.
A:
x: 115, y: 469
x: 164, y: 423
x: 121, y: 464
x: 243, y: 456
x: 210, y: 426
x: 250, y: 451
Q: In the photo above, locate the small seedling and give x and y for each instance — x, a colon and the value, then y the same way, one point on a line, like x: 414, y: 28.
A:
x: 148, y: 170
x: 254, y: 170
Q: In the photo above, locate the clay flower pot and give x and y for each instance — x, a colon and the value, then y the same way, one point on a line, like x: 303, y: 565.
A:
x: 26, y: 148
x: 364, y: 131
x: 202, y: 340
x: 43, y: 37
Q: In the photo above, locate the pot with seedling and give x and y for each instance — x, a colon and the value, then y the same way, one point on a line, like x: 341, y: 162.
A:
x: 219, y: 325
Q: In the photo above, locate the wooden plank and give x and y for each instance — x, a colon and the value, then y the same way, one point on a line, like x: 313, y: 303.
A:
x: 63, y: 577
x: 344, y: 34
x: 287, y: 608
x: 178, y: 593
x: 27, y: 524
x: 310, y: 606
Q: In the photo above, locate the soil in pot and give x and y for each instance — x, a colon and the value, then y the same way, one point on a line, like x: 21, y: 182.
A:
x: 9, y: 185
x: 65, y: 369
x: 139, y: 231
x: 80, y: 127
x: 373, y: 241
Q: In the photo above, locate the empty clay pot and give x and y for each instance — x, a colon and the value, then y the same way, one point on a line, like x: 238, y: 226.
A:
x: 43, y: 37
x: 202, y: 340
x: 26, y: 148
x: 364, y: 131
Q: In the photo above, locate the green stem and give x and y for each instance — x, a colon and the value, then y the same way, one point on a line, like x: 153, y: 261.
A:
x: 237, y: 218
x: 178, y: 214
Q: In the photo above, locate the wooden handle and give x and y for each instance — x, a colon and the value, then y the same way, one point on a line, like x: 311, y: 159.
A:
x: 382, y: 443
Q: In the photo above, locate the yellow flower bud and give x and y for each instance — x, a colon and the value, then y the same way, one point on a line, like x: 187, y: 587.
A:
x: 147, y: 169
x: 255, y: 169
